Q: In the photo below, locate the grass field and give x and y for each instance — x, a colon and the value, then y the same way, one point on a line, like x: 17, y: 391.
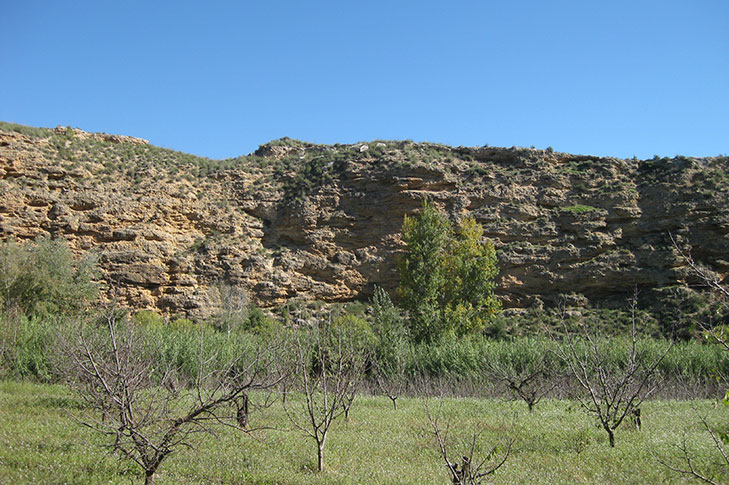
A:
x: 41, y: 443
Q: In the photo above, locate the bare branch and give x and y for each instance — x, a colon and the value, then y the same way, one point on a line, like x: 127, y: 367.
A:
x: 690, y: 468
x: 613, y: 391
x: 145, y: 410
x: 473, y: 470
x: 328, y: 367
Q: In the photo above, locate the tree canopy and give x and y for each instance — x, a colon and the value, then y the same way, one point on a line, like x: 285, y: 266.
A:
x: 446, y: 275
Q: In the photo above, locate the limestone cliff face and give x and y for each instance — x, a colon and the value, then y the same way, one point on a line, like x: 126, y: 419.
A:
x: 296, y: 220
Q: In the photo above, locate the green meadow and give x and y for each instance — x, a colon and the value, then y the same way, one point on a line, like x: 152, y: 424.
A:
x: 41, y: 441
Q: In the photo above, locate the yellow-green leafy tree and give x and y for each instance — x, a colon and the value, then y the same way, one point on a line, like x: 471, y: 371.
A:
x: 446, y: 275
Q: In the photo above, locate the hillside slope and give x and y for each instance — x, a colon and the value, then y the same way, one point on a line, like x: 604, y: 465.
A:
x: 297, y: 220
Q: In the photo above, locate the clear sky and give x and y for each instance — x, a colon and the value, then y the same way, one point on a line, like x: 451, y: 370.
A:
x: 618, y: 78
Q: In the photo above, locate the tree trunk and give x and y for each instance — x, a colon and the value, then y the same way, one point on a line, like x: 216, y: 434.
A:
x: 242, y: 414
x: 320, y: 456
x: 394, y: 403
x: 148, y: 477
x: 611, y: 437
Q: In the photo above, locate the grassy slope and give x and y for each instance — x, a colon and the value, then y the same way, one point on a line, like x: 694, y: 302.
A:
x: 40, y: 443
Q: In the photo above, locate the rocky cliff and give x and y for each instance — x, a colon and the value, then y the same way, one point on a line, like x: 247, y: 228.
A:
x: 297, y: 220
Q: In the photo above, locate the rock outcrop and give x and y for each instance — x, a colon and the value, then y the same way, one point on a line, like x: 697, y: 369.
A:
x: 303, y: 221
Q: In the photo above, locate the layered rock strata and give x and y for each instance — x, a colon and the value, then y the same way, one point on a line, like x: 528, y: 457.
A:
x: 302, y: 221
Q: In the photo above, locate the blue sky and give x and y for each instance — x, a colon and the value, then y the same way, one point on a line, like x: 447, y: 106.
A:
x: 217, y: 79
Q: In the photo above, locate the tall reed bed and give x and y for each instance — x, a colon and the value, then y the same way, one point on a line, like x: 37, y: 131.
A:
x: 31, y: 346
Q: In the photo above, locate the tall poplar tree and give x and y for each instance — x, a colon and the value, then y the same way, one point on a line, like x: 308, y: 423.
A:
x: 446, y: 275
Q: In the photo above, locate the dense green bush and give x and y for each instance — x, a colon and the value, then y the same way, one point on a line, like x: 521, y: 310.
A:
x: 682, y: 307
x: 148, y: 318
x: 41, y: 278
x: 550, y: 321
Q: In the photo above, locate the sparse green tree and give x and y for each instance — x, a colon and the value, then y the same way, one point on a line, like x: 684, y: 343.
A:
x: 234, y: 304
x: 446, y: 275
x: 391, y: 346
x: 390, y: 331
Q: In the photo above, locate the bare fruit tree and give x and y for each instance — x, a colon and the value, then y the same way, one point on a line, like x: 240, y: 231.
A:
x: 349, y: 397
x: 524, y: 372
x: 613, y: 388
x: 528, y: 385
x: 392, y: 382
x: 327, y: 365
x: 149, y: 410
x: 476, y: 466
x: 687, y: 464
x: 709, y: 278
